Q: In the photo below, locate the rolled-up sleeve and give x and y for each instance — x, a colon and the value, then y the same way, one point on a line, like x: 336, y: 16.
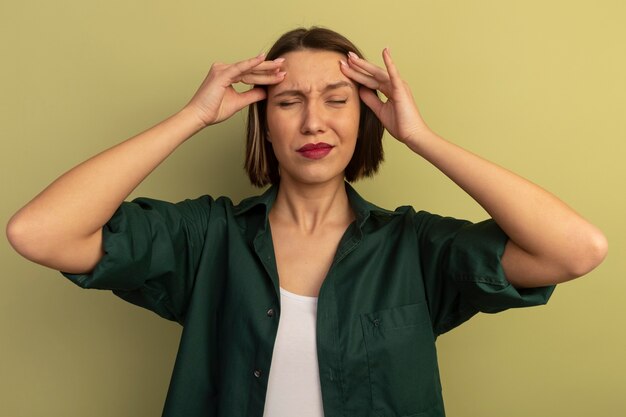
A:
x: 152, y: 250
x: 462, y: 271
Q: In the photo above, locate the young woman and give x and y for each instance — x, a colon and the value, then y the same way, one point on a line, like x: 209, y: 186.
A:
x: 306, y: 300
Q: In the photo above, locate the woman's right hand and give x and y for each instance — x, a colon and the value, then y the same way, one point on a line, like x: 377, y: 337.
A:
x: 62, y: 226
x: 216, y: 99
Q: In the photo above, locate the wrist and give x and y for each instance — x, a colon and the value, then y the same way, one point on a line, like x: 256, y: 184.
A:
x: 419, y: 140
x: 191, y: 119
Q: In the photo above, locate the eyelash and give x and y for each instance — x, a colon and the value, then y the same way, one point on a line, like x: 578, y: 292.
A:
x: 287, y: 104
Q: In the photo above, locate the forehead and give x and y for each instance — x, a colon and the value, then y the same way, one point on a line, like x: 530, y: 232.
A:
x: 310, y: 70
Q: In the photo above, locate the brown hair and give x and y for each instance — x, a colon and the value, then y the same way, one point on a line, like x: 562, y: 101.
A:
x: 261, y: 163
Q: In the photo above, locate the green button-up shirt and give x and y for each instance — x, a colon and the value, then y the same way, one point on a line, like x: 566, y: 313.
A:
x: 398, y: 280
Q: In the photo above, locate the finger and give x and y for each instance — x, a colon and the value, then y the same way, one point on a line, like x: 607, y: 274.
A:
x: 377, y: 72
x: 241, y: 100
x: 265, y: 72
x: 361, y: 78
x: 273, y: 71
x: 380, y: 75
x: 356, y: 68
x: 263, y: 79
x: 234, y: 71
x: 253, y: 95
x: 268, y: 65
x: 371, y: 100
x: 394, y: 75
x: 248, y: 64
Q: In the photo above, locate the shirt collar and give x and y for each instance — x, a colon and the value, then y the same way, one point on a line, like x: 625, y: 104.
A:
x: 266, y: 199
x: 363, y: 209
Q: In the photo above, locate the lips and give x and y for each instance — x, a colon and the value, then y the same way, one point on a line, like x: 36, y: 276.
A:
x: 313, y: 146
x: 315, y: 150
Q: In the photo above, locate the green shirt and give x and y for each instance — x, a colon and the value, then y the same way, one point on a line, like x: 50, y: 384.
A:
x: 398, y: 280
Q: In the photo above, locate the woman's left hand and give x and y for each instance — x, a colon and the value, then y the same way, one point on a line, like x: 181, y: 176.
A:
x: 399, y: 114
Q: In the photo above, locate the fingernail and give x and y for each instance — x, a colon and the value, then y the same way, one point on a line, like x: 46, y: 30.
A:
x: 281, y: 74
x: 262, y: 54
x: 344, y: 63
x: 278, y: 60
x: 353, y: 55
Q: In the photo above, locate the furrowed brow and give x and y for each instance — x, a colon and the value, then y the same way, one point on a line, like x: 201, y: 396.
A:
x: 332, y: 86
x: 336, y: 85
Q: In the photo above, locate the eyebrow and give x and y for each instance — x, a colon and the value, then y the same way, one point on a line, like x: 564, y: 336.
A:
x: 332, y: 86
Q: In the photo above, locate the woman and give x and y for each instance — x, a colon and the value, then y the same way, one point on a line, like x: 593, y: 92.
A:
x: 363, y: 292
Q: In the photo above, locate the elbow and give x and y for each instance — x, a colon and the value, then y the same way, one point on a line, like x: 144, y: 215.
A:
x: 589, y: 255
x: 27, y: 238
x: 45, y: 245
x: 14, y: 233
x: 18, y: 235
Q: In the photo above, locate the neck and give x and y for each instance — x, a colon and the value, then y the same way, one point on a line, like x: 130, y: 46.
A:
x: 311, y: 206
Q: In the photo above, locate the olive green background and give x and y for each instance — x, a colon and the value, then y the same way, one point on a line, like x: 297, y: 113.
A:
x: 537, y: 86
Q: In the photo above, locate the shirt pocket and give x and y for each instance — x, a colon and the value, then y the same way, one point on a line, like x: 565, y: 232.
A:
x: 402, y: 360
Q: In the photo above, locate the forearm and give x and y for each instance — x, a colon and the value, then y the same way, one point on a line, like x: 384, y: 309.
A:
x: 62, y: 227
x: 71, y: 211
x: 550, y: 243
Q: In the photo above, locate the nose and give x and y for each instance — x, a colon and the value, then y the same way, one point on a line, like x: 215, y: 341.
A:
x: 313, y: 119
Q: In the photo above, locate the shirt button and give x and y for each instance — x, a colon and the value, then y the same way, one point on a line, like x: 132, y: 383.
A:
x: 257, y: 373
x: 376, y: 322
x: 270, y: 312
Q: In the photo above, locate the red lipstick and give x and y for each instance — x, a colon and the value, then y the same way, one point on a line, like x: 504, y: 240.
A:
x: 315, y: 150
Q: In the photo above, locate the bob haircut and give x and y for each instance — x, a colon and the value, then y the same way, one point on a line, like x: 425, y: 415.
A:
x: 261, y: 163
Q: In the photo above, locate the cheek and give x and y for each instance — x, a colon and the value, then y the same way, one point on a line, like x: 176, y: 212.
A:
x: 273, y: 124
x: 350, y: 127
x: 351, y: 121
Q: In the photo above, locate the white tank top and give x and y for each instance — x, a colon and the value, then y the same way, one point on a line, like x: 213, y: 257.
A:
x: 293, y: 387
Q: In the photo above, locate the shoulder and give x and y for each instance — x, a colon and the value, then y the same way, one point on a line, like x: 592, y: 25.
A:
x: 196, y: 211
x: 203, y: 206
